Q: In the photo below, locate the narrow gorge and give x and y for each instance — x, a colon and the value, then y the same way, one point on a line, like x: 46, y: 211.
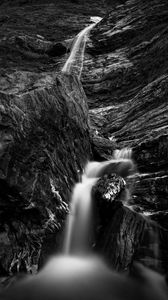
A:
x: 55, y: 116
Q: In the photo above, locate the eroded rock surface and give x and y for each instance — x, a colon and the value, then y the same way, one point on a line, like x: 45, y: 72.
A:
x: 125, y: 79
x: 44, y: 146
x: 44, y: 132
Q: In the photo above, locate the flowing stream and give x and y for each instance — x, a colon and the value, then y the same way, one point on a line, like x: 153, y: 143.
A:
x: 74, y: 63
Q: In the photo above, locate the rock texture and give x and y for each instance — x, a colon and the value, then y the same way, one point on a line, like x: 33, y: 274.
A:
x: 44, y: 132
x: 123, y: 234
x: 125, y: 79
x: 44, y: 145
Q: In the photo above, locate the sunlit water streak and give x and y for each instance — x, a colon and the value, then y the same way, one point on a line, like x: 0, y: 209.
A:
x: 74, y: 63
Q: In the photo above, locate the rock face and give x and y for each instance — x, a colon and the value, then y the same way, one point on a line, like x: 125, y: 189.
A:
x: 44, y: 145
x: 45, y: 136
x: 125, y: 79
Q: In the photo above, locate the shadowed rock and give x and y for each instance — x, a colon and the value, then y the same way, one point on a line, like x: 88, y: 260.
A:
x: 125, y: 79
x: 47, y: 148
x: 123, y: 235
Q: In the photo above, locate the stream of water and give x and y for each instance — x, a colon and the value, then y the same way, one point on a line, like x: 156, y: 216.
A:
x: 74, y: 63
x: 79, y: 223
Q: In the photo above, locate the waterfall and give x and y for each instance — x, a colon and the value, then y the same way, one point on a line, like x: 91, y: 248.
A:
x: 79, y: 221
x: 78, y: 274
x: 74, y: 63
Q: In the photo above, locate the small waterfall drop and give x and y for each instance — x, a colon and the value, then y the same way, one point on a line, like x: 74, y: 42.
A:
x: 74, y: 63
x: 79, y: 221
x: 77, y: 274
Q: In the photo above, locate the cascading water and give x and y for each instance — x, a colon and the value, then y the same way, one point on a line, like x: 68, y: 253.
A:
x: 78, y: 274
x: 74, y: 63
x: 78, y: 229
x: 80, y: 219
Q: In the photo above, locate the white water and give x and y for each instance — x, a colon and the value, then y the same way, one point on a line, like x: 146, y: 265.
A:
x: 74, y: 63
x: 78, y: 275
x: 79, y: 221
x: 87, y: 278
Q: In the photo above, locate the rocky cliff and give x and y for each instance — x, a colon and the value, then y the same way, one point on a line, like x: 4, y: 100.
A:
x: 47, y: 136
x: 125, y: 80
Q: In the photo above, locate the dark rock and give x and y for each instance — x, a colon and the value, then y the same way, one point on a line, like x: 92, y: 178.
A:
x: 48, y: 147
x: 57, y: 50
x: 125, y: 80
x: 123, y: 235
x: 102, y: 148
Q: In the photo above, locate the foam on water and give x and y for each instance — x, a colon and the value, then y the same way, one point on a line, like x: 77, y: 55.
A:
x: 87, y: 278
